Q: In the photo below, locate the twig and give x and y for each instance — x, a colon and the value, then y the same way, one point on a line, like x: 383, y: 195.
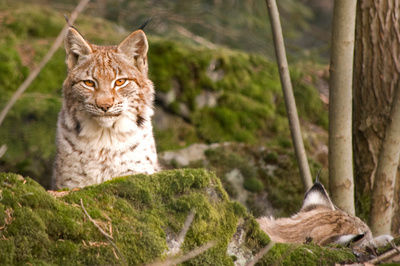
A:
x: 3, y: 150
x: 287, y: 89
x: 108, y: 237
x: 192, y: 254
x: 261, y: 253
x: 95, y: 224
x: 174, y: 246
x: 44, y: 61
x: 186, y: 225
x: 381, y: 258
x: 195, y: 37
x: 394, y: 246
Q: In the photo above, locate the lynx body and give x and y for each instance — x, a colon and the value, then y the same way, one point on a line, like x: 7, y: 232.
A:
x: 322, y: 223
x: 104, y: 128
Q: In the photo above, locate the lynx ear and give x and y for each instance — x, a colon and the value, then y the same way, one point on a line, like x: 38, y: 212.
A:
x: 316, y: 195
x: 75, y: 47
x: 135, y: 46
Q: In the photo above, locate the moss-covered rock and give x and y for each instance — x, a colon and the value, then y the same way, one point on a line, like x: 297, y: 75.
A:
x: 141, y: 213
x: 227, y: 95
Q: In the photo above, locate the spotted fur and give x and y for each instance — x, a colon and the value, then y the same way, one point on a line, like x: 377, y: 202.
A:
x: 320, y: 222
x: 104, y: 130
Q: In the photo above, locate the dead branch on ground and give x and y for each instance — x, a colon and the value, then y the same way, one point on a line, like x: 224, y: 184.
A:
x: 261, y: 253
x: 108, y: 237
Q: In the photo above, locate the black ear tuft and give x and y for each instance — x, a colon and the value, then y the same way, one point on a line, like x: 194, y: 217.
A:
x: 318, y: 175
x: 141, y: 27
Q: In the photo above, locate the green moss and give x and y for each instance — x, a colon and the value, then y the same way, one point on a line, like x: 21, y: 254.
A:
x: 34, y: 21
x: 139, y: 212
x: 249, y: 98
x: 139, y: 209
x: 11, y: 69
x: 253, y: 184
x: 7, y: 254
x: 31, y: 145
x: 284, y: 254
x: 178, y: 134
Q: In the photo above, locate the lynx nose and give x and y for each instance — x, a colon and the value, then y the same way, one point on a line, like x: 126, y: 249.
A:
x: 105, y: 103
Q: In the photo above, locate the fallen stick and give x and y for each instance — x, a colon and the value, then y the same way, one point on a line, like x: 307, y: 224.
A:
x: 108, y: 237
x: 381, y: 258
x: 261, y: 253
x: 190, y: 255
x: 186, y: 225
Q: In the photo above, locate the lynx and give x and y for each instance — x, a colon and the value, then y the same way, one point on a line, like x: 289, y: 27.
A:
x: 321, y: 222
x: 104, y: 127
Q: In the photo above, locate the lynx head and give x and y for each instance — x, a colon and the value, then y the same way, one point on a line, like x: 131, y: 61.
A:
x: 108, y: 82
x: 317, y: 198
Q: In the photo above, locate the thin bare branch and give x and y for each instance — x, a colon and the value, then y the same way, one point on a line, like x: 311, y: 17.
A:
x: 394, y: 246
x: 186, y: 225
x: 175, y: 245
x: 44, y: 61
x: 3, y: 150
x: 287, y: 89
x: 188, y: 256
x: 383, y: 257
x: 261, y: 253
x: 108, y: 237
x: 195, y: 37
x: 95, y: 224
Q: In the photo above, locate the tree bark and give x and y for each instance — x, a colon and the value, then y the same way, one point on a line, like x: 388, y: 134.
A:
x: 385, y: 178
x: 376, y: 77
x: 341, y: 183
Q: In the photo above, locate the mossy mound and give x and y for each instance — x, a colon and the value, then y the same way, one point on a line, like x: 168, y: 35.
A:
x: 139, y: 212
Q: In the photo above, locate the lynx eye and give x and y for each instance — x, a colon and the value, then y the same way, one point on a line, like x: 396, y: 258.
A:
x: 89, y: 83
x: 120, y: 82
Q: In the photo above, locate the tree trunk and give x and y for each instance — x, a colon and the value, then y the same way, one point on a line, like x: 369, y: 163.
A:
x: 340, y: 105
x: 385, y: 178
x: 375, y: 80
